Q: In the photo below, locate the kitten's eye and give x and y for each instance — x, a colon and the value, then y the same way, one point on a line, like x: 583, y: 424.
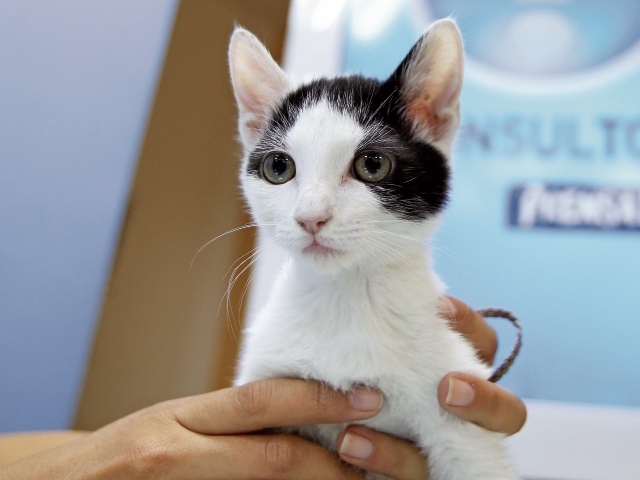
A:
x: 278, y: 168
x: 371, y: 166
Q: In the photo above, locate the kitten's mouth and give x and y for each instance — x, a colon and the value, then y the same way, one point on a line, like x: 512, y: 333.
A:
x: 316, y: 248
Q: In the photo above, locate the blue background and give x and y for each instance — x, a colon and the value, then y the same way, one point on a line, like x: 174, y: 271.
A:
x: 76, y: 81
x: 575, y: 292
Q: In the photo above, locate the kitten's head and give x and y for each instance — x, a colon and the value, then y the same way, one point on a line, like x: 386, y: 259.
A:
x: 348, y: 170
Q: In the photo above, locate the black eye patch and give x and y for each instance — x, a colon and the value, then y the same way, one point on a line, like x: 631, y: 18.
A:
x: 418, y: 184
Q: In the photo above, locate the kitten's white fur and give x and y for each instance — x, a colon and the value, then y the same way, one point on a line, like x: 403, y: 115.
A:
x: 362, y: 309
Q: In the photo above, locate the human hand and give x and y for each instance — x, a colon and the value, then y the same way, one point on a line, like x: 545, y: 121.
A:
x: 212, y: 436
x: 489, y: 405
x: 474, y: 399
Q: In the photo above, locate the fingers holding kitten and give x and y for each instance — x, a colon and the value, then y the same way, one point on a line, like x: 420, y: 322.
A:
x: 274, y: 402
x: 476, y: 400
x: 470, y: 398
x: 482, y: 402
x: 381, y: 453
x: 472, y: 326
x: 278, y: 456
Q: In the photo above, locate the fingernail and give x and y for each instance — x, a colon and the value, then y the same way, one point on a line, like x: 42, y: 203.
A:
x: 356, y: 446
x: 460, y: 393
x: 365, y: 399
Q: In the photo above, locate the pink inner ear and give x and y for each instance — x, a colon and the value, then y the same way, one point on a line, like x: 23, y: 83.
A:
x: 255, y: 124
x: 432, y: 82
x: 436, y: 104
x: 252, y: 102
x: 449, y: 94
x: 424, y: 116
x: 251, y: 86
x: 255, y: 106
x: 257, y: 80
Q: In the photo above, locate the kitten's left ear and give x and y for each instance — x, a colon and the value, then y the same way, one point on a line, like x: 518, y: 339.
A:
x: 258, y: 83
x: 430, y: 79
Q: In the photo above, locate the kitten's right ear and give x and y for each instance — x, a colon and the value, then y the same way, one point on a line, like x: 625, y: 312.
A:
x: 258, y: 83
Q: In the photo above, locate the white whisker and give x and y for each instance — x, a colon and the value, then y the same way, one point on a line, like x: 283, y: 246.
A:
x: 391, y: 240
x: 244, y: 266
x: 233, y: 230
x: 399, y: 235
x: 390, y: 253
x: 263, y: 258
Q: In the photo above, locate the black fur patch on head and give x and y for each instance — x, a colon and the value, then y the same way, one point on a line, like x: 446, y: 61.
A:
x: 418, y: 184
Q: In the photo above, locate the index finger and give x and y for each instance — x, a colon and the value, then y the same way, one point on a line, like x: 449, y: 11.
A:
x: 472, y: 326
x: 277, y: 402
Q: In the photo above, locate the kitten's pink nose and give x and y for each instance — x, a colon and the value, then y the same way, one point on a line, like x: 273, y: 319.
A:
x: 313, y: 224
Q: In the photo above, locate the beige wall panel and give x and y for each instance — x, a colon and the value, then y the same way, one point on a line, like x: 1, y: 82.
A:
x: 159, y: 336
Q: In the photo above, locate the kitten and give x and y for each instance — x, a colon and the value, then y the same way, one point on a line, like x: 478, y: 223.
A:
x: 348, y: 176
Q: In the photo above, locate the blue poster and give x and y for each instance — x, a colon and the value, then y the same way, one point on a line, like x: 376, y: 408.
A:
x: 544, y: 218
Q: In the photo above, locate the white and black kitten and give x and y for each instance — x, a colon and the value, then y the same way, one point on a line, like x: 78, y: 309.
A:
x: 348, y: 175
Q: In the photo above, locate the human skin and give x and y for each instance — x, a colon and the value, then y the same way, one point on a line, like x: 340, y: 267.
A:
x: 227, y: 434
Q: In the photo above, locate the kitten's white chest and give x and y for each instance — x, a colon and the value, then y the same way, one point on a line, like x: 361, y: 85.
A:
x: 382, y: 331
x: 348, y: 329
